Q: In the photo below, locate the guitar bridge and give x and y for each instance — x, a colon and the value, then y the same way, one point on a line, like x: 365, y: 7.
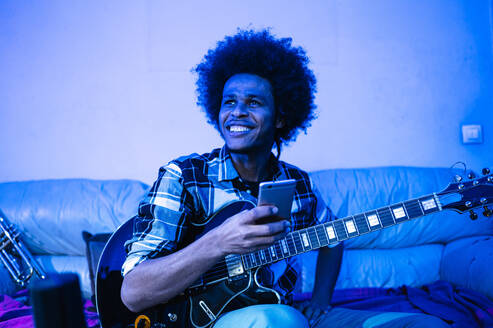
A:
x: 234, y: 265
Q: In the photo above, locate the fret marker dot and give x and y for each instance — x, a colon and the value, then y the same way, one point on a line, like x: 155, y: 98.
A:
x: 399, y: 212
x: 428, y: 204
x: 373, y: 219
x: 305, y: 240
x: 330, y: 232
x: 350, y: 226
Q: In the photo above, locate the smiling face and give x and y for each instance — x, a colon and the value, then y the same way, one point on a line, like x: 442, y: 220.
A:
x: 247, y: 116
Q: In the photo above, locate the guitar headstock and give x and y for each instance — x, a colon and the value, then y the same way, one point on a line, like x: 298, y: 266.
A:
x: 465, y: 195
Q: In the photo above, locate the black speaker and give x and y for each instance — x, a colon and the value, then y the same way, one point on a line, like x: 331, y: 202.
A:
x: 57, y: 302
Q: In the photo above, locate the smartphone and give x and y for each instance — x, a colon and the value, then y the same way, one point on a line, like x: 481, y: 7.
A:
x: 279, y: 194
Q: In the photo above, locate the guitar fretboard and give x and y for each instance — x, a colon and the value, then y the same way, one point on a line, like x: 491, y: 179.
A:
x: 314, y: 237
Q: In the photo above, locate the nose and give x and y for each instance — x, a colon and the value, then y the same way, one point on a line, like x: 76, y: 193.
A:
x: 240, y: 110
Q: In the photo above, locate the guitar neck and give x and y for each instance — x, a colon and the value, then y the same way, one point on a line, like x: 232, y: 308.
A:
x: 314, y: 237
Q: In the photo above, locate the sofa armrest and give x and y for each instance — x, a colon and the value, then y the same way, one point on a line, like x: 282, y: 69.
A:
x: 468, y: 262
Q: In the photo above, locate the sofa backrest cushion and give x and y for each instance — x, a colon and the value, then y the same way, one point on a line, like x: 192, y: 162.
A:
x: 352, y: 191
x: 51, y: 214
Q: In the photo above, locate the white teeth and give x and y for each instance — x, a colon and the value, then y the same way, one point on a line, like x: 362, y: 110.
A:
x: 238, y: 128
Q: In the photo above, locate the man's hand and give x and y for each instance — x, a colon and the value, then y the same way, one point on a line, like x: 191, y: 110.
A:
x: 312, y: 311
x: 242, y: 232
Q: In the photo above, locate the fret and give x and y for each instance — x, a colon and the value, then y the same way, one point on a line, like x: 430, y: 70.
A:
x: 361, y: 223
x: 273, y: 254
x: 399, y: 213
x: 413, y: 209
x: 373, y: 220
x: 279, y: 247
x: 386, y: 217
x: 267, y: 255
x: 278, y: 250
x: 263, y: 260
x: 246, y: 261
x: 351, y: 228
x: 305, y: 240
x: 405, y: 210
x: 331, y: 233
x: 297, y: 242
x: 421, y: 207
x: 322, y: 235
x: 392, y: 216
x: 290, y: 243
x: 251, y: 258
x: 340, y: 230
x: 284, y: 247
x: 313, y: 237
x: 256, y: 256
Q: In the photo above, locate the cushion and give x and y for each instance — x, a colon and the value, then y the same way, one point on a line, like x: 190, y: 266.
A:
x: 468, y: 262
x: 51, y: 214
x: 389, y: 268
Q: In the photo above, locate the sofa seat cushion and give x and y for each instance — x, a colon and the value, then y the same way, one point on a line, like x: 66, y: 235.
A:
x: 468, y: 262
x: 388, y: 268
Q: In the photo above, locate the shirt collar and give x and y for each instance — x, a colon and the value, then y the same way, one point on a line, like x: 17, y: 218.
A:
x: 227, y: 170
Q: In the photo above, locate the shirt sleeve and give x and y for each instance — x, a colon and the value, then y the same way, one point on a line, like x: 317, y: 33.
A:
x: 162, y: 220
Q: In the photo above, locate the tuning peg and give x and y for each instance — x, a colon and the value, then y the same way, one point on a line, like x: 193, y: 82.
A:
x: 458, y: 178
x: 485, y: 171
x: 473, y: 215
x: 487, y: 212
x: 471, y: 175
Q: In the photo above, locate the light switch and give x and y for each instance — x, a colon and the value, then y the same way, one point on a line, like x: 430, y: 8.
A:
x: 472, y: 134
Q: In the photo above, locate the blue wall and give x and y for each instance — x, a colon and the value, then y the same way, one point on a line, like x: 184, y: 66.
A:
x: 103, y: 89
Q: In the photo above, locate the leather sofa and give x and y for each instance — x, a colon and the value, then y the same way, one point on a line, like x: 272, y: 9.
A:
x: 51, y: 214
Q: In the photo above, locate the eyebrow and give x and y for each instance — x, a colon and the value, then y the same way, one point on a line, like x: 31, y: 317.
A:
x: 250, y: 95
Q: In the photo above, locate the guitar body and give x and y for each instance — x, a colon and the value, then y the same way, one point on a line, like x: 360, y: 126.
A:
x: 206, y: 306
x: 199, y: 306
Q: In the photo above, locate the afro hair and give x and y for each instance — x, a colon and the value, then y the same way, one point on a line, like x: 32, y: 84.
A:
x: 274, y: 59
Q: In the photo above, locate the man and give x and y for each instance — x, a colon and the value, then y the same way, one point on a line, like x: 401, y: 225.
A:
x: 258, y: 92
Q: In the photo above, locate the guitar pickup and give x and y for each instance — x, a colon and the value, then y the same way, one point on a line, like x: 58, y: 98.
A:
x: 234, y: 265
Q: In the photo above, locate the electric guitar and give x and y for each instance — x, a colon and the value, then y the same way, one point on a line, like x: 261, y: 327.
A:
x: 233, y: 283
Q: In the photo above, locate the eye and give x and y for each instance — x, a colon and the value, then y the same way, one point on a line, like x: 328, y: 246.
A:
x: 255, y: 103
x: 229, y: 102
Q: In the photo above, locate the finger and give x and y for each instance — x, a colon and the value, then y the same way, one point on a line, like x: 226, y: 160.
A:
x: 316, y: 316
x: 273, y: 228
x: 262, y: 242
x: 260, y: 212
x: 308, y: 312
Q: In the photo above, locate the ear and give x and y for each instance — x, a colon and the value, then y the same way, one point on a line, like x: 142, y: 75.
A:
x: 279, y: 123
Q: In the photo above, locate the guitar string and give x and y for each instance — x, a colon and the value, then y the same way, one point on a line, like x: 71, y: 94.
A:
x: 291, y: 243
x: 222, y: 266
x: 220, y: 269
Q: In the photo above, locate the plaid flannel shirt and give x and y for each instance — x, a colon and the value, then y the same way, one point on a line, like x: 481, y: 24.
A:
x: 191, y: 189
